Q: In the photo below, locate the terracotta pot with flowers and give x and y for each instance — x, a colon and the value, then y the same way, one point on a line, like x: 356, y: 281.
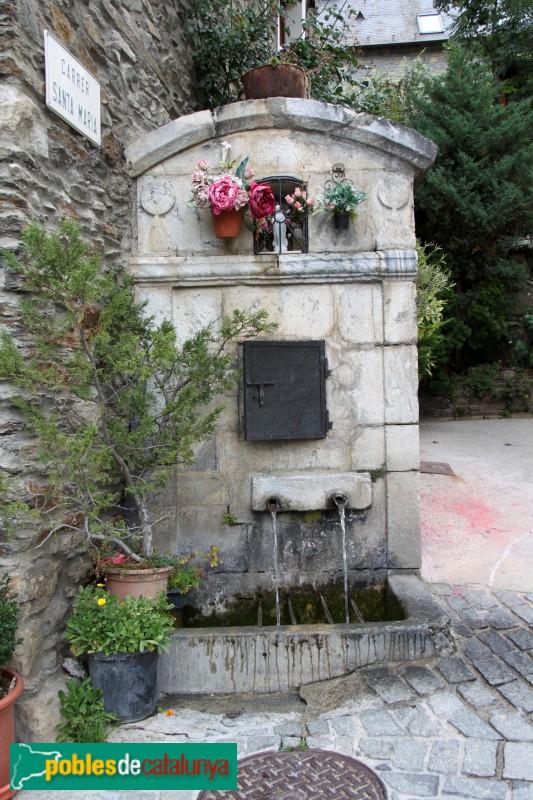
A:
x: 123, y: 639
x: 228, y: 195
x: 11, y: 684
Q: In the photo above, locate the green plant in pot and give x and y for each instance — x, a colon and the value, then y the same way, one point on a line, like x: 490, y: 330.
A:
x: 230, y: 40
x: 340, y: 199
x: 123, y: 639
x: 11, y: 683
x: 115, y: 401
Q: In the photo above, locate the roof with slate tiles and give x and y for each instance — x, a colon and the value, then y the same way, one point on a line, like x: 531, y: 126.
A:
x: 389, y: 22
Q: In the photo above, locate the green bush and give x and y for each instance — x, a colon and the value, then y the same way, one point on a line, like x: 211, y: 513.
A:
x: 433, y: 290
x: 82, y: 707
x: 101, y: 623
x: 8, y: 621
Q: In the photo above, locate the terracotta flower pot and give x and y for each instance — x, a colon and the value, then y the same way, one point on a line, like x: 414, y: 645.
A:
x: 227, y: 224
x: 283, y: 80
x: 7, y: 732
x: 137, y: 582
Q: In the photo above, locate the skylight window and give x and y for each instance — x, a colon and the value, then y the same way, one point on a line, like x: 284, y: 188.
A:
x: 429, y: 23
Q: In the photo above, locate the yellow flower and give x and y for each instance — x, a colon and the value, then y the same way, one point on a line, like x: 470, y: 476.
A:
x: 100, y: 585
x: 101, y: 601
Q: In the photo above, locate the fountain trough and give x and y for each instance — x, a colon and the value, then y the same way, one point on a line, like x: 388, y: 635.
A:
x: 274, y: 659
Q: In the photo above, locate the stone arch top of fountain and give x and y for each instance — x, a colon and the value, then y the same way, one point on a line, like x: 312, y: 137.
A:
x: 353, y: 296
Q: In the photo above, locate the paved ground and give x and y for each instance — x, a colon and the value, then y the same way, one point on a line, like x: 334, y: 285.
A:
x: 477, y: 526
x: 457, y: 726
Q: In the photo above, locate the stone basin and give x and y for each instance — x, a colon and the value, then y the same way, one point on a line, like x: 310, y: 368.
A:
x: 276, y: 659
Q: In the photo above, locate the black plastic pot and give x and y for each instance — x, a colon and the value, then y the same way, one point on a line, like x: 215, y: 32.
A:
x: 128, y: 682
x: 341, y: 220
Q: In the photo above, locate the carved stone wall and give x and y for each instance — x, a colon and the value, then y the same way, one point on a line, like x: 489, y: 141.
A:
x: 354, y: 290
x: 136, y: 51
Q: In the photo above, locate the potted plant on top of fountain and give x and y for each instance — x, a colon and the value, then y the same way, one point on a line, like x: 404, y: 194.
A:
x: 115, y: 402
x: 11, y: 683
x: 233, y: 42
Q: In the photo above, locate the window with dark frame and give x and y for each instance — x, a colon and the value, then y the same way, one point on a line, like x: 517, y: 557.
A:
x: 286, y: 230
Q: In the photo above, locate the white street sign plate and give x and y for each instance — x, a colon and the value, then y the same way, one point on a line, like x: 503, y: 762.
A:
x: 71, y: 90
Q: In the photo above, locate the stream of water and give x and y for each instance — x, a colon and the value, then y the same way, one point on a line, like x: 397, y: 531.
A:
x: 342, y: 517
x: 273, y: 512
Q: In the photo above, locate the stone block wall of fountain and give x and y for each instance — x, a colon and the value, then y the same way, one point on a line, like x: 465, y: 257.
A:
x: 354, y: 290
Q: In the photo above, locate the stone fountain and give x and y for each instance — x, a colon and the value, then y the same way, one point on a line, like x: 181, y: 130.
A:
x: 326, y: 418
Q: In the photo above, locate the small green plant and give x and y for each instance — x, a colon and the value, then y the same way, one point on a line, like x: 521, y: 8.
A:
x: 300, y: 747
x: 101, y: 623
x: 85, y: 719
x: 433, y: 289
x: 186, y: 575
x: 8, y: 620
x: 229, y: 519
x: 340, y: 197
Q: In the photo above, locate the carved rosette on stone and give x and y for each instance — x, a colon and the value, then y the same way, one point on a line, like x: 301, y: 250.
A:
x: 394, y: 194
x: 157, y: 198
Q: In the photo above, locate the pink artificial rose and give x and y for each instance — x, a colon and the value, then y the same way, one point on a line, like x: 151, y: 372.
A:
x: 289, y: 199
x: 298, y: 206
x: 298, y: 192
x: 197, y: 177
x: 241, y: 200
x: 200, y: 196
x: 309, y: 202
x: 202, y: 165
x: 262, y: 201
x: 222, y: 195
x: 248, y: 172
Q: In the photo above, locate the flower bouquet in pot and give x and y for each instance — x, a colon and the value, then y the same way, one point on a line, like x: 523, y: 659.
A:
x: 123, y: 639
x: 11, y: 683
x: 228, y: 195
x: 339, y: 200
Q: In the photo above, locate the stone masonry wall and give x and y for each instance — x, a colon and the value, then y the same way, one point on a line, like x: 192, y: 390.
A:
x: 354, y: 290
x: 392, y: 61
x: 48, y: 170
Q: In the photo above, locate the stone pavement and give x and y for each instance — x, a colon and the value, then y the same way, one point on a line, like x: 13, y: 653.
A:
x: 457, y: 726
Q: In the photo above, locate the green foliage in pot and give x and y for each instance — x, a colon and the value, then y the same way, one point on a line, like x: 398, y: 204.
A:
x: 115, y: 402
x: 82, y: 709
x: 101, y: 623
x: 340, y: 197
x: 8, y: 621
x: 229, y: 38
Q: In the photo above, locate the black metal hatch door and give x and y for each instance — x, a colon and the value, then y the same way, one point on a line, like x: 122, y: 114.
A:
x: 285, y: 390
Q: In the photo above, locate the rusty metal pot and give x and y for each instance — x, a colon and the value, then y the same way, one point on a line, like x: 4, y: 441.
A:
x: 282, y: 80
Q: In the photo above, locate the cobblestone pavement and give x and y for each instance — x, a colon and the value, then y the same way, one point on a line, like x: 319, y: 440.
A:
x: 457, y: 726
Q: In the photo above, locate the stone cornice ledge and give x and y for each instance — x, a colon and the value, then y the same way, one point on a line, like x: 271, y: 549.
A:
x: 294, y: 114
x: 190, y: 271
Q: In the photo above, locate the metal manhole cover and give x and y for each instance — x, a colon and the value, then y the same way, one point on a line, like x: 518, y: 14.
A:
x: 436, y: 468
x: 302, y: 775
